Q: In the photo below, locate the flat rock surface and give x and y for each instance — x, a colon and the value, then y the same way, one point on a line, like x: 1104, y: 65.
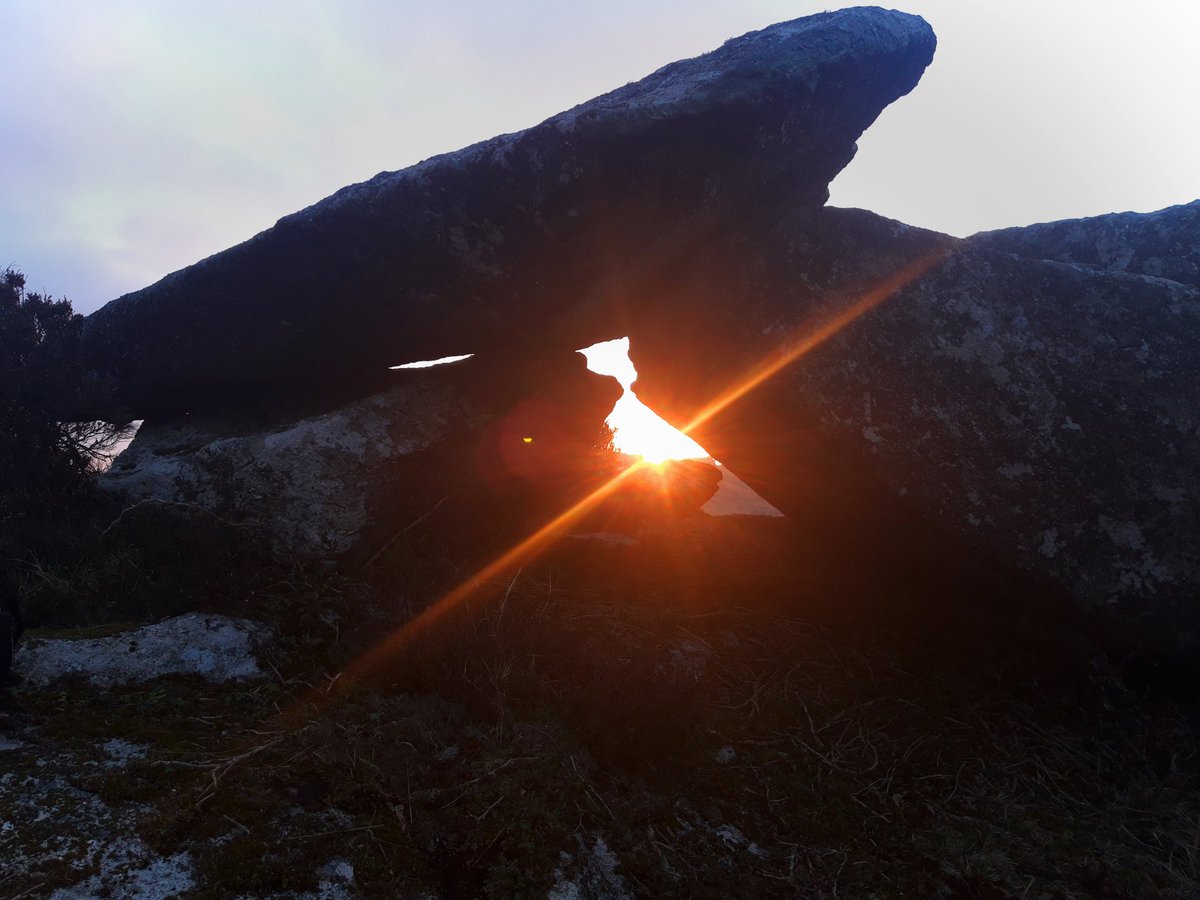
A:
x: 215, y: 648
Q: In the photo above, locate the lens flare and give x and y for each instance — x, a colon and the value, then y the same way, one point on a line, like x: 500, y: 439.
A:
x: 802, y: 341
x: 637, y: 430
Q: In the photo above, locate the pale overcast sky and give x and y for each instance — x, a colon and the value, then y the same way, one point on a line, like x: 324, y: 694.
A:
x: 142, y: 135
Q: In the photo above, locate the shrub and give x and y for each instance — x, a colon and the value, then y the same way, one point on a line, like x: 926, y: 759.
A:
x: 44, y: 386
x: 47, y: 455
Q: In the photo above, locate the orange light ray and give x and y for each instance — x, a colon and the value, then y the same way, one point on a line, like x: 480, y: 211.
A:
x: 814, y: 338
x: 545, y: 536
x: 516, y: 556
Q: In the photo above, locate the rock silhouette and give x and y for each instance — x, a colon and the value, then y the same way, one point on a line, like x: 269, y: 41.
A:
x: 1029, y: 393
x: 524, y: 240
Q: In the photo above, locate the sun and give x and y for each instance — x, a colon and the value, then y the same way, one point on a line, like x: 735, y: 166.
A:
x: 637, y: 430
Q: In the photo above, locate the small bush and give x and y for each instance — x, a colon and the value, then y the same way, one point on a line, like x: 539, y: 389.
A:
x: 44, y: 389
x: 47, y: 455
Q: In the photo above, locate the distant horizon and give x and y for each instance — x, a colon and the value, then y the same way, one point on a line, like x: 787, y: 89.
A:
x: 151, y: 137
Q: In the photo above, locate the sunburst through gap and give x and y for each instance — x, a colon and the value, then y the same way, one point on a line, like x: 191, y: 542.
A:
x: 637, y: 430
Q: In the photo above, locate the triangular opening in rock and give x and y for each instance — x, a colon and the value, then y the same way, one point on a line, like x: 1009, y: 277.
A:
x: 639, y: 431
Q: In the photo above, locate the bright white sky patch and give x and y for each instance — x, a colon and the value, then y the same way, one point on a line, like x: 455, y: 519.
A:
x: 426, y: 363
x: 637, y: 430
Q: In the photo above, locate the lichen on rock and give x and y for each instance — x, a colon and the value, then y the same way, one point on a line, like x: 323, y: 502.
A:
x: 215, y: 648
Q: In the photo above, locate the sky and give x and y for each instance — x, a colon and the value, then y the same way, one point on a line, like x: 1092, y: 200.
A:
x: 143, y: 135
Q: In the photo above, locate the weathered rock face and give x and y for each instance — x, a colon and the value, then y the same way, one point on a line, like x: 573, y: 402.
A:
x: 524, y: 239
x: 321, y: 486
x: 215, y: 648
x: 305, y: 484
x: 1047, y: 412
x: 1164, y: 244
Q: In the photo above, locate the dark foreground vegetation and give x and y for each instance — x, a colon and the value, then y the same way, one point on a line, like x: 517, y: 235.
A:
x: 693, y: 707
x: 729, y: 707
x: 719, y: 707
x: 47, y: 457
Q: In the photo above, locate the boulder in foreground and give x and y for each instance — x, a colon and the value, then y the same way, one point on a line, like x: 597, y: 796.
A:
x: 215, y: 648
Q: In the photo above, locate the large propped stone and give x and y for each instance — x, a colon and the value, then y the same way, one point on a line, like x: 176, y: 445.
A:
x: 1164, y: 244
x: 539, y: 236
x: 335, y: 484
x: 1045, y: 412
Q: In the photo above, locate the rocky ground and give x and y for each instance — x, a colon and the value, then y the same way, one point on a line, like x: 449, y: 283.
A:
x: 696, y: 707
